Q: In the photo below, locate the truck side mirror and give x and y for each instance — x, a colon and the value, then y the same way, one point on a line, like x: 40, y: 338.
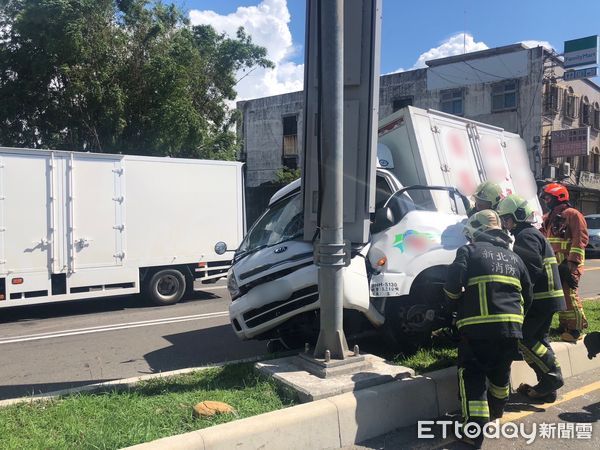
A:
x: 220, y: 247
x: 384, y: 218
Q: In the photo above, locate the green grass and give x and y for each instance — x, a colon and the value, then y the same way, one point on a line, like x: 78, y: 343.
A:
x: 442, y: 353
x: 153, y: 409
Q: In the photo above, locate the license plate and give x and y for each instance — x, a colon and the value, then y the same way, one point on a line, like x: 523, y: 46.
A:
x: 385, y: 289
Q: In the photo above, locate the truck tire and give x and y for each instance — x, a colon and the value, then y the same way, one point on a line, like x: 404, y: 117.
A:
x: 166, y: 287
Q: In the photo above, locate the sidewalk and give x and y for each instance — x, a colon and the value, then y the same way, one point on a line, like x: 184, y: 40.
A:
x: 357, y: 416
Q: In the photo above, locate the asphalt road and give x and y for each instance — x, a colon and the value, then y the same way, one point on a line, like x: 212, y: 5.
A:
x: 52, y: 347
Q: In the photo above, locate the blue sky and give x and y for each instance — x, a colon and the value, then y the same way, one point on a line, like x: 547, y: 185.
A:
x: 412, y: 32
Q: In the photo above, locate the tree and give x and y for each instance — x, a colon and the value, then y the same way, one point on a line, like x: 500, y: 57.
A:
x: 111, y: 76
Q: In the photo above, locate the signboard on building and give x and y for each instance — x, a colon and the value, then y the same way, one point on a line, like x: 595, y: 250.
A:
x: 581, y: 52
x: 573, y: 142
x: 578, y: 74
x: 589, y: 180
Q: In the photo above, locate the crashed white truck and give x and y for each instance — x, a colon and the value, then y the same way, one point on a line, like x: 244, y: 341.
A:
x: 429, y: 163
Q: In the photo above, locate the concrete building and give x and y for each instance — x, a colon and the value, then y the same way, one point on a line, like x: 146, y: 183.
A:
x: 514, y: 87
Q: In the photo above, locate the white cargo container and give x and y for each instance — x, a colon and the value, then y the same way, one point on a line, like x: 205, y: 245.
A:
x: 81, y: 225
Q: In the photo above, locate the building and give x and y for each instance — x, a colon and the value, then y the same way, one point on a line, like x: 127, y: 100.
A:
x: 514, y: 87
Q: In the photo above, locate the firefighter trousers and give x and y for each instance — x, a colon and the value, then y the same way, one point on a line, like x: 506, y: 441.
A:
x: 573, y: 318
x: 536, y: 349
x: 483, y: 377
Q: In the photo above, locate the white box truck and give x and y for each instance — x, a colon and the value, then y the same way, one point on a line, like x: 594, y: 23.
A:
x: 81, y: 225
x: 429, y: 163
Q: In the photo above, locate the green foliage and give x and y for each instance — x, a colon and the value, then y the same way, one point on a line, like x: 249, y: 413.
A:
x: 285, y: 176
x: 154, y: 409
x: 111, y: 76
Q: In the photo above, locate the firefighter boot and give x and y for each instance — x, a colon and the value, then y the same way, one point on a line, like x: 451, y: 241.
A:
x: 545, y: 390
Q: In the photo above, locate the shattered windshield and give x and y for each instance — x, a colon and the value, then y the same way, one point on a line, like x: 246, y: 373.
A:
x: 281, y: 222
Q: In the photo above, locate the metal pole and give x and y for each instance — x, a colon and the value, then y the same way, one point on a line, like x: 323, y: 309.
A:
x: 330, y: 248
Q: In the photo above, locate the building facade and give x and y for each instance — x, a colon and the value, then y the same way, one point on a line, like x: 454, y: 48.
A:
x: 514, y: 87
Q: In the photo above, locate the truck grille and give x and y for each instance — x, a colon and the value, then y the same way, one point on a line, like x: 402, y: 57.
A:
x: 299, y: 299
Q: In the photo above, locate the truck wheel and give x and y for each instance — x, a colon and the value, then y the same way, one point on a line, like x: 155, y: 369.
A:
x: 396, y: 332
x: 166, y: 287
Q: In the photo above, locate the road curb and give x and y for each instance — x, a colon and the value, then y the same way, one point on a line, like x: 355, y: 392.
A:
x: 356, y: 416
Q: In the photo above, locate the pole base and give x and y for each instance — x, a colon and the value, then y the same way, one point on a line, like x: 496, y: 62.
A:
x: 327, y: 369
x: 335, y: 344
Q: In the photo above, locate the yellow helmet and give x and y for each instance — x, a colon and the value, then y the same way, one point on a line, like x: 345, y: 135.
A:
x: 488, y: 191
x: 517, y: 207
x: 480, y: 222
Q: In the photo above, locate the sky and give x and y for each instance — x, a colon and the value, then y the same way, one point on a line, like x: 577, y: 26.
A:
x: 412, y: 32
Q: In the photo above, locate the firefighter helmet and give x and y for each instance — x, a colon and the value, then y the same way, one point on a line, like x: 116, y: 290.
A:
x: 558, y: 191
x: 488, y: 191
x: 517, y: 207
x: 480, y: 222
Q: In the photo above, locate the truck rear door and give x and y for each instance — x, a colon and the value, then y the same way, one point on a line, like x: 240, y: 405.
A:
x: 24, y: 213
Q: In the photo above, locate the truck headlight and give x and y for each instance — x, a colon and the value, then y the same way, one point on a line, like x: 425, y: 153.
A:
x: 232, y: 286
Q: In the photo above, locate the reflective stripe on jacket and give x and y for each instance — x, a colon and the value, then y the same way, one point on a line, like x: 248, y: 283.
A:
x: 542, y: 266
x: 567, y: 233
x: 492, y: 288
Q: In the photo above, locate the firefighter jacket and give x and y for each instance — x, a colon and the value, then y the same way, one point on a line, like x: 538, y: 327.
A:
x: 566, y: 230
x: 492, y: 288
x: 542, y: 266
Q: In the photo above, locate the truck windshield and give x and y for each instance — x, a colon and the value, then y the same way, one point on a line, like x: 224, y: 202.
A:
x: 427, y: 198
x: 281, y: 222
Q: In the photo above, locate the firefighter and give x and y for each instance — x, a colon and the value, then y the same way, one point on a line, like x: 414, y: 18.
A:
x: 517, y: 216
x: 487, y: 195
x: 492, y: 288
x: 566, y: 230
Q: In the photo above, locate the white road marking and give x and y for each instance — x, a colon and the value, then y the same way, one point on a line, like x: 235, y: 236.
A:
x: 117, y: 326
x: 209, y: 288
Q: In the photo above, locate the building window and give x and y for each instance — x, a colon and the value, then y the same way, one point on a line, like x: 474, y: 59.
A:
x: 451, y: 101
x: 551, y: 96
x: 401, y: 102
x: 596, y: 157
x: 570, y: 102
x: 290, y: 141
x: 585, y: 111
x: 596, y: 118
x: 504, y: 95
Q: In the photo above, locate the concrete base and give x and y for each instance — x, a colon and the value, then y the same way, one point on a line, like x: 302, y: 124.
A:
x: 369, y: 370
x: 333, y: 368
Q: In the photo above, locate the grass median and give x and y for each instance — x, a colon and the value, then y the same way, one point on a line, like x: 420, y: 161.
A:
x: 153, y: 409
x: 442, y: 353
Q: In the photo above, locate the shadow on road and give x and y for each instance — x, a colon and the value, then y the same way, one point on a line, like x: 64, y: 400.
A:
x: 24, y: 390
x: 202, y: 347
x: 90, y: 306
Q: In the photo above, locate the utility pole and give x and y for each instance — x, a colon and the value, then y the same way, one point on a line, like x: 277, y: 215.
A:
x: 330, y: 249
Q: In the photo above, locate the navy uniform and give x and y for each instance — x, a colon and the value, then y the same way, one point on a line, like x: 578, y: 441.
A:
x: 493, y: 291
x: 548, y: 298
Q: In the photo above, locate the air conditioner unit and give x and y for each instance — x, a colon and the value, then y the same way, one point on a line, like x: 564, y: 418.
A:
x: 565, y: 170
x: 549, y: 172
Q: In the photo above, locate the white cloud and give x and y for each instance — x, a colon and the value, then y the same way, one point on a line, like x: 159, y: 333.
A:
x: 455, y: 45
x: 534, y: 43
x: 268, y: 25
